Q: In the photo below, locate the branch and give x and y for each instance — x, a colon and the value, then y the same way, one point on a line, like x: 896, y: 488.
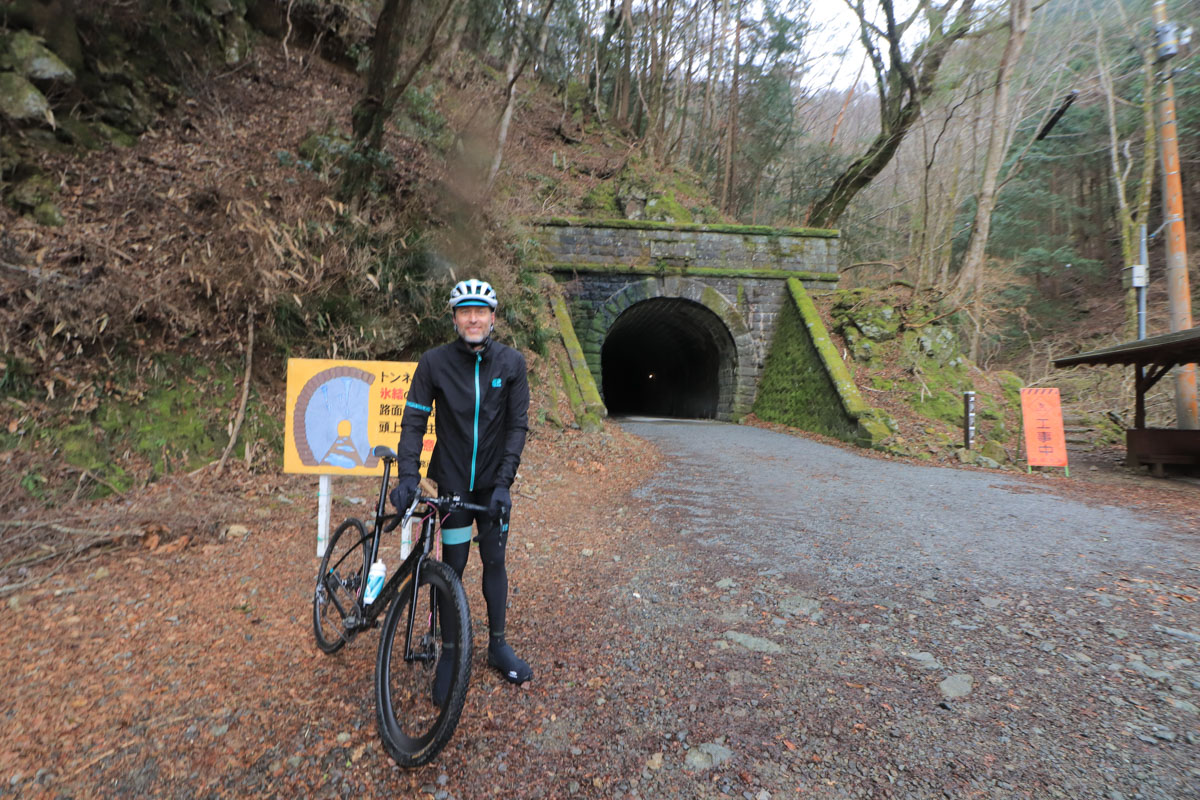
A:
x: 241, y: 415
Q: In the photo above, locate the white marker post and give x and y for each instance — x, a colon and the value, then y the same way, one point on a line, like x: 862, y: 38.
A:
x: 323, y: 489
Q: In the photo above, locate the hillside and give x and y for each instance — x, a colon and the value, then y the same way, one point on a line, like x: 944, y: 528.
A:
x: 126, y: 326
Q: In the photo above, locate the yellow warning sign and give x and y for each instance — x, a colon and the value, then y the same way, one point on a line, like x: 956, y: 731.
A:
x: 338, y: 411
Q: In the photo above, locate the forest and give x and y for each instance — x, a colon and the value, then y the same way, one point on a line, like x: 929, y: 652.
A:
x: 178, y: 173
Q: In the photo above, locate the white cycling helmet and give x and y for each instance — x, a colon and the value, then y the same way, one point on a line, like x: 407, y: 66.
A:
x: 473, y: 292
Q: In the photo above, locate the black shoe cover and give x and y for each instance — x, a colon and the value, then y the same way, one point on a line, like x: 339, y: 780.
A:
x: 501, y: 656
x: 441, y: 677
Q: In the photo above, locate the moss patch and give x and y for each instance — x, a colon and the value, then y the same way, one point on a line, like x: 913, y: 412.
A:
x: 173, y: 419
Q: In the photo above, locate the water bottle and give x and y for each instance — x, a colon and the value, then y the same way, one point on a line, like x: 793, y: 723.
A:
x: 375, y: 581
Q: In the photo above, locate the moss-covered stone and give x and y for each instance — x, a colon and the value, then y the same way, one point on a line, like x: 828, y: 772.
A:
x: 580, y: 369
x: 666, y: 208
x: 745, y: 230
x: 795, y: 388
x: 27, y: 55
x: 995, y: 451
x: 601, y: 198
x: 115, y: 136
x: 48, y: 213
x: 660, y: 270
x: 21, y: 101
x: 79, y: 133
x: 806, y: 384
x: 867, y: 312
x: 32, y: 192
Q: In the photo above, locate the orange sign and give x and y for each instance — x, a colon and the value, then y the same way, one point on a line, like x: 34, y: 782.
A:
x: 1045, y: 444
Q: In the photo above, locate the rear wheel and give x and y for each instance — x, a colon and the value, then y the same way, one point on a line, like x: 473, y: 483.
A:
x: 339, y: 578
x: 414, y: 722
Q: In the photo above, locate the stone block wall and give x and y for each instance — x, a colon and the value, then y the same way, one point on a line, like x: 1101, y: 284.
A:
x: 739, y: 273
x: 650, y: 244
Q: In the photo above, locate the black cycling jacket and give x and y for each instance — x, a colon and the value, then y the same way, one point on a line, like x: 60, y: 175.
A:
x: 482, y: 400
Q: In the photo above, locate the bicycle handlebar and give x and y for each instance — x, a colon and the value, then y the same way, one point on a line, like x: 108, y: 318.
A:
x: 446, y: 505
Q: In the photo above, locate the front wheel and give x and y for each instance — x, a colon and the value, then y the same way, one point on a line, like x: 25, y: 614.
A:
x: 416, y: 718
x: 339, y: 578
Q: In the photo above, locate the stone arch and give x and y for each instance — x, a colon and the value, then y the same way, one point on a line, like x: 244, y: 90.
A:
x: 699, y: 312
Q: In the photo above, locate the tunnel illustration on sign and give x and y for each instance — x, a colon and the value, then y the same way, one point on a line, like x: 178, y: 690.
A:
x: 668, y: 357
x: 330, y: 419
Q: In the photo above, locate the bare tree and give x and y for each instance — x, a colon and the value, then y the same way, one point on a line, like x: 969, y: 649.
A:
x: 970, y: 276
x: 903, y: 82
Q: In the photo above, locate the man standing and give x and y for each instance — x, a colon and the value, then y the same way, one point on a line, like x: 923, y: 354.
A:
x: 481, y: 392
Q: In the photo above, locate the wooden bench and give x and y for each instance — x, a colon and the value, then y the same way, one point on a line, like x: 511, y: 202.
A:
x: 1158, y: 446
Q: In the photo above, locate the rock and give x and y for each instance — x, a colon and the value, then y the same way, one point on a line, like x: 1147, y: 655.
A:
x: 754, y: 643
x: 1177, y: 633
x: 48, y: 214
x: 983, y: 461
x: 1117, y: 633
x: 925, y: 660
x: 707, y: 756
x: 342, y: 738
x: 218, y: 730
x: 27, y: 55
x: 725, y: 583
x: 991, y: 602
x: 21, y: 101
x: 1147, y: 671
x: 587, y: 552
x: 1183, y: 705
x: 995, y: 451
x: 14, y: 602
x: 100, y: 573
x: 799, y: 605
x: 655, y: 761
x: 959, y: 685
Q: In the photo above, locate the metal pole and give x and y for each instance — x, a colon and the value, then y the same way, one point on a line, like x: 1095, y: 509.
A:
x: 324, y: 486
x: 1178, y: 292
x: 968, y: 419
x: 1144, y: 255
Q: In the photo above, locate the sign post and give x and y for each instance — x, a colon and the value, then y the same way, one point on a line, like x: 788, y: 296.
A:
x: 1045, y: 442
x: 323, y: 491
x: 337, y: 412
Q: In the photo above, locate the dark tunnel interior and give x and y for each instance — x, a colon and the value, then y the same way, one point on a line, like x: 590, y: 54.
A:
x: 667, y: 357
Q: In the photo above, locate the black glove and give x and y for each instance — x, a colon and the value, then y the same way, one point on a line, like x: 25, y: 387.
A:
x: 402, y: 496
x: 500, y: 504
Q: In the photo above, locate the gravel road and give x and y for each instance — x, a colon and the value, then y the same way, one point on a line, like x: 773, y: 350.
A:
x: 724, y: 612
x: 880, y: 629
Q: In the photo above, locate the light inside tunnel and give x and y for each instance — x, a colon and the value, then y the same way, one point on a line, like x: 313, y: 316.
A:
x: 668, y: 357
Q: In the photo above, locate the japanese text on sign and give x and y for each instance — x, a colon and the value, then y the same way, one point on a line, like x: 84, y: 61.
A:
x: 1045, y: 443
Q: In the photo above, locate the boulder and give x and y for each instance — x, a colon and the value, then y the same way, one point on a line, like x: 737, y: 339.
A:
x: 28, y: 56
x: 21, y: 101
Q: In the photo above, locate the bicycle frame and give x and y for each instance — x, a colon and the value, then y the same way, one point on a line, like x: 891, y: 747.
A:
x: 422, y: 548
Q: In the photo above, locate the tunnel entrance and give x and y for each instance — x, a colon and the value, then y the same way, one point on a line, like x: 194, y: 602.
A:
x: 669, y: 357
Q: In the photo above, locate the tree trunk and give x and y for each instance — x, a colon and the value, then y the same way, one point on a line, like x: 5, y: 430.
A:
x: 970, y: 277
x: 731, y: 133
x: 513, y: 72
x: 903, y: 85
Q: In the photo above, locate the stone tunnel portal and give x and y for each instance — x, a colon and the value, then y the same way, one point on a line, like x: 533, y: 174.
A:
x: 669, y: 357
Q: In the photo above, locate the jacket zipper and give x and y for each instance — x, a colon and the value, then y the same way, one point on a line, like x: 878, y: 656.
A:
x: 475, y: 436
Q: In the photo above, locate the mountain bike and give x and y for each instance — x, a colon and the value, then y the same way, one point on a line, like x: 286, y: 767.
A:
x: 429, y: 621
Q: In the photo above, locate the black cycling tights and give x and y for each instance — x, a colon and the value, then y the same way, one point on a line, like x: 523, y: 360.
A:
x: 492, y: 544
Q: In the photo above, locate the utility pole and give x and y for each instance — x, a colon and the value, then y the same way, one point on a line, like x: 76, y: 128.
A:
x: 1178, y: 291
